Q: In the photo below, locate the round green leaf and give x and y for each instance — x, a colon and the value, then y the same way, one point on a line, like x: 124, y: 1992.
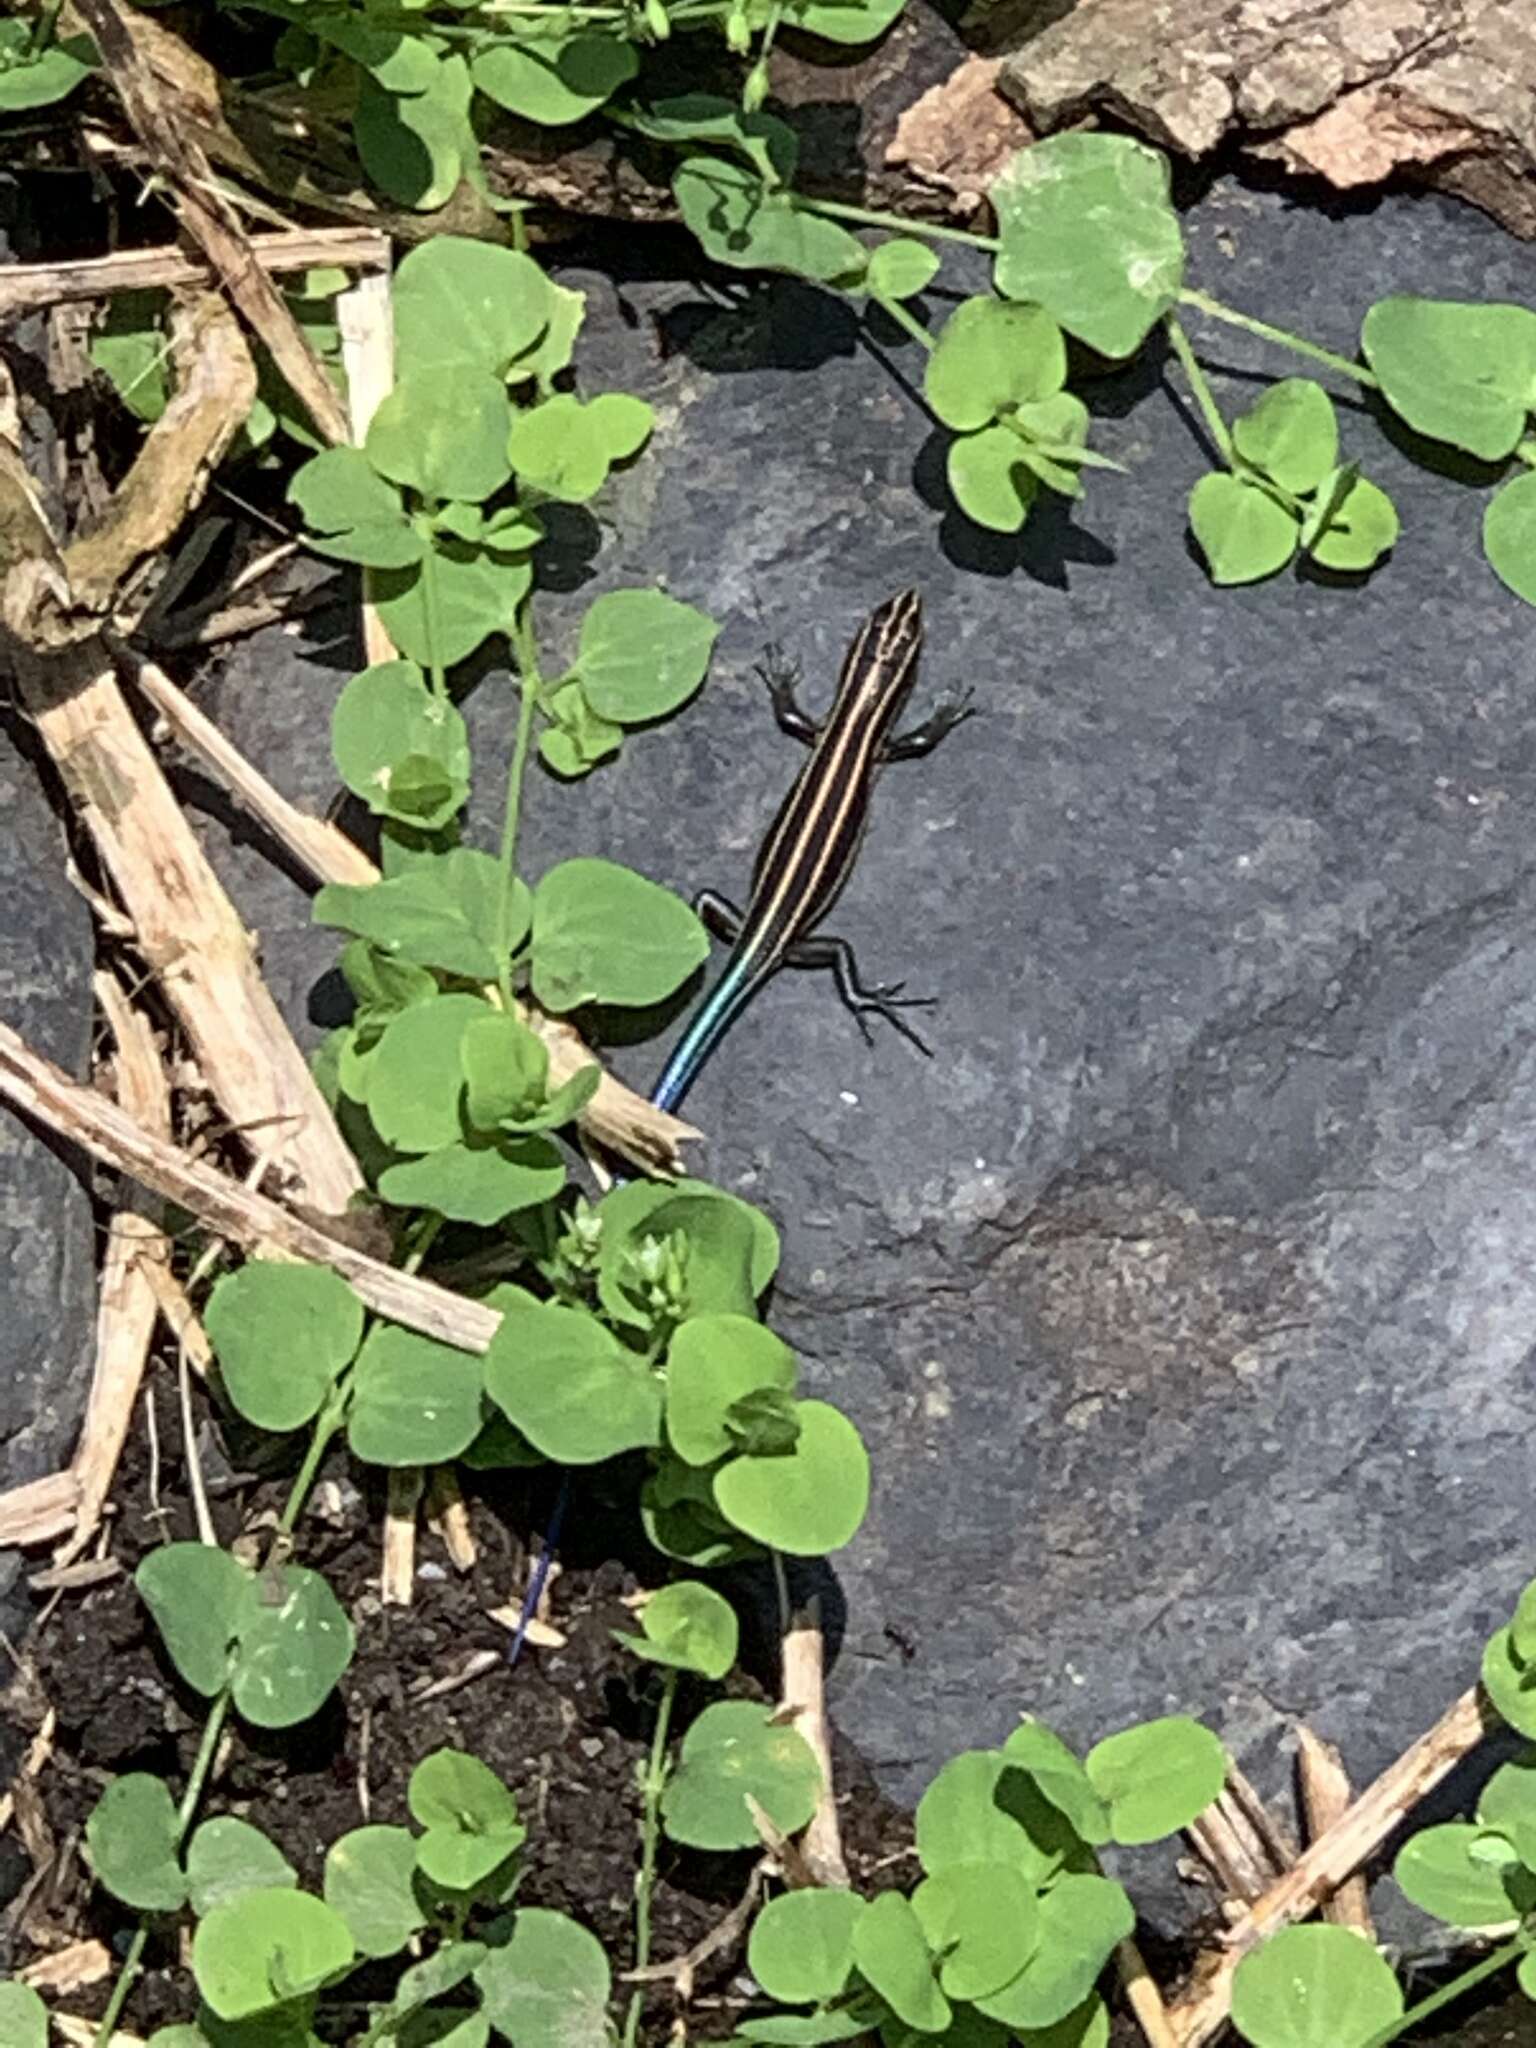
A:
x: 369, y: 1876
x: 387, y: 722
x: 602, y: 933
x: 1156, y: 1777
x: 282, y: 1333
x: 892, y: 1953
x: 444, y: 914
x: 1059, y: 1775
x: 132, y: 1836
x: 1459, y: 373
x: 990, y: 356
x: 251, y: 1954
x: 980, y: 1809
x: 1509, y: 535
x: 1086, y: 2026
x: 294, y: 1645
x: 227, y: 1857
x: 1314, y: 1987
x: 1243, y: 534
x: 200, y: 1598
x: 1082, y: 1919
x: 982, y: 1921
x: 843, y: 21
x: 23, y: 2015
x: 1089, y: 232
x: 414, y: 143
x: 443, y: 433
x: 570, y: 1386
x: 416, y: 1082
x: 478, y: 591
x: 469, y: 1816
x: 1510, y: 1683
x: 900, y: 269
x: 459, y: 302
x: 740, y: 222
x: 554, y: 80
x: 803, y: 2030
x: 712, y: 1363
x: 1508, y: 1803
x: 990, y: 477
x: 1291, y: 434
x: 801, y: 1949
x: 414, y: 1401
x: 688, y: 1626
x: 548, y: 1986
x: 40, y: 77
x: 351, y: 514
x: 480, y: 1181
x: 642, y: 654
x: 643, y: 1209
x: 809, y: 1501
x: 1438, y: 1871
x: 565, y: 446
x: 1352, y: 525
x: 732, y: 1750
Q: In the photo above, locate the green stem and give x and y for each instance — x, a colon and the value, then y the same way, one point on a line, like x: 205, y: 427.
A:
x: 1282, y: 338
x: 1210, y: 412
x: 864, y: 216
x: 430, y: 606
x: 905, y: 319
x: 327, y: 1422
x: 126, y: 1977
x: 650, y: 1836
x: 525, y: 647
x: 1448, y: 1993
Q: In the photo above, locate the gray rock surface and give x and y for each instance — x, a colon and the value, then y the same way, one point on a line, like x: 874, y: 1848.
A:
x: 1185, y: 1298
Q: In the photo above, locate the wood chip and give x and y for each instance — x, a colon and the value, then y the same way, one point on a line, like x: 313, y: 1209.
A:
x: 448, y: 1518
x: 803, y: 1695
x: 1325, y: 1799
x: 398, y: 1575
x: 30, y: 287
x: 71, y: 1969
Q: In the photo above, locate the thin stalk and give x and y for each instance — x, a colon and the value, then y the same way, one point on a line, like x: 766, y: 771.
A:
x: 864, y: 216
x: 327, y: 1422
x: 650, y: 1836
x: 1281, y: 337
x: 1210, y: 412
x: 430, y: 606
x: 906, y: 320
x: 1469, y: 1980
x: 781, y: 1588
x: 526, y: 650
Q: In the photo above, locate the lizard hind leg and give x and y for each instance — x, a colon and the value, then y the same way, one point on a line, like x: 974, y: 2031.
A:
x: 884, y: 999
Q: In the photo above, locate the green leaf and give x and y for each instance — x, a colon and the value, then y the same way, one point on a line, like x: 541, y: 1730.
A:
x: 387, y: 731
x: 351, y: 514
x: 1510, y: 1683
x: 506, y: 1077
x: 1055, y: 431
x: 132, y: 1836
x: 227, y: 1858
x: 740, y: 222
x: 981, y: 1809
x: 414, y: 1401
x: 39, y: 78
x: 565, y: 446
x: 416, y: 1081
x: 689, y: 1627
x: 642, y: 1209
x: 1243, y: 534
x: 1458, y: 373
x: 642, y: 654
x: 893, y: 1955
x: 1155, y: 1778
x: 295, y: 1642
x: 1508, y: 1803
x: 570, y: 1386
x: 1082, y: 1919
x: 439, y: 1974
x: 251, y: 1954
x: 1352, y: 524
x: 579, y: 739
x: 712, y: 1363
x: 900, y: 269
x: 991, y: 356
x: 805, y: 2030
x: 445, y: 913
x: 982, y: 1921
x: 462, y: 304
x: 469, y: 1816
x: 768, y: 144
x: 480, y: 1180
x: 1522, y: 1627
x: 415, y: 143
x: 369, y: 1875
x: 130, y: 346
x: 1438, y: 1871
x: 801, y: 1947
x: 602, y: 933
x: 1314, y: 1987
x: 990, y: 477
x: 1509, y: 535
x: 809, y: 1501
x: 1291, y: 434
x: 548, y: 1986
x: 443, y: 432
x: 1089, y: 232
x: 843, y: 21
x: 734, y: 1749
x: 282, y: 1333
x: 554, y: 80
x: 199, y: 1597
x: 1060, y: 1777
x: 1086, y: 2026
x: 678, y: 1513
x: 553, y: 351
x: 478, y: 591
x: 23, y: 2015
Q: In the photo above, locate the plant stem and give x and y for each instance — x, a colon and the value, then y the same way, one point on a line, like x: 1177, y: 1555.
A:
x: 905, y: 319
x: 1210, y: 412
x: 650, y: 1835
x: 1204, y: 303
x: 525, y: 647
x: 429, y: 606
x: 864, y: 216
x: 1448, y: 1993
x: 126, y: 1976
x: 327, y: 1422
